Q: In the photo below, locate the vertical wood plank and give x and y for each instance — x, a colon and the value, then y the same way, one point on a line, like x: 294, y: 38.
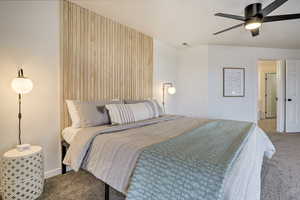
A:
x: 102, y: 59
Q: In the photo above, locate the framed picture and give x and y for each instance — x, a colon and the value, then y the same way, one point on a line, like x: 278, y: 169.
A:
x: 233, y: 82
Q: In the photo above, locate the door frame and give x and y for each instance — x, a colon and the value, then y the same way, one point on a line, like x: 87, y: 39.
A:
x: 281, y: 95
x: 280, y: 73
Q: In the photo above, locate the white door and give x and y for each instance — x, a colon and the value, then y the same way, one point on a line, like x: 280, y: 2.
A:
x: 293, y: 96
x: 270, y: 95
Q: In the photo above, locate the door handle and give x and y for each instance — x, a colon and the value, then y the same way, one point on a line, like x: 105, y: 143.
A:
x: 289, y: 99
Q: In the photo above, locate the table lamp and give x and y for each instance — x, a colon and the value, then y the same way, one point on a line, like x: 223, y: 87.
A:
x: 21, y: 85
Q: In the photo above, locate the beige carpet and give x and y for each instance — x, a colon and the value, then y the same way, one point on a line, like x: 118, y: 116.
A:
x: 280, y: 176
x: 76, y: 186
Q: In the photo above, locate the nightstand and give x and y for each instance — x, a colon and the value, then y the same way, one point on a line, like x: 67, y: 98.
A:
x: 22, y: 174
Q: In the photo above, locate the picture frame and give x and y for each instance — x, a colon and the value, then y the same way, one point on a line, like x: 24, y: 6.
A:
x: 233, y: 82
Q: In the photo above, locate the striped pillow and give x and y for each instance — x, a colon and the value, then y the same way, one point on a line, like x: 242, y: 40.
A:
x: 129, y: 113
x: 160, y: 110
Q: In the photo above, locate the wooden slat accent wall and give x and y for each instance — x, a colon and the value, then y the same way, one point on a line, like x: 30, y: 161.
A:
x: 102, y: 59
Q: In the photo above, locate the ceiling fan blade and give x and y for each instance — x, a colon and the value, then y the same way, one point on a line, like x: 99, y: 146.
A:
x: 241, y: 18
x: 255, y: 32
x: 273, y: 6
x: 228, y: 29
x: 276, y: 18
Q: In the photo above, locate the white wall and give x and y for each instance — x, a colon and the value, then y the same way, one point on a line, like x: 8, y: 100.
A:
x: 29, y: 36
x: 199, y: 68
x: 165, y: 70
x: 192, y: 83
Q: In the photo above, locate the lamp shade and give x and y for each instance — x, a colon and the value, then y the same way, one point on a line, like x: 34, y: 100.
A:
x: 22, y: 85
x: 171, y: 90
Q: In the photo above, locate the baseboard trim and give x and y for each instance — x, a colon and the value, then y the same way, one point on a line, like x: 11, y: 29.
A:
x: 53, y: 172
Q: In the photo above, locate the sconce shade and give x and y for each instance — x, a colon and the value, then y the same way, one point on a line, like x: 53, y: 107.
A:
x: 22, y: 85
x: 171, y: 90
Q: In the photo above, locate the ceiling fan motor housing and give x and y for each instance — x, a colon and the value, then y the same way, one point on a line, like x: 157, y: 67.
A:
x: 253, y: 10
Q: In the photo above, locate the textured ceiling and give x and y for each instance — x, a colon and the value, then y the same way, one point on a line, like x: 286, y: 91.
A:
x: 193, y: 21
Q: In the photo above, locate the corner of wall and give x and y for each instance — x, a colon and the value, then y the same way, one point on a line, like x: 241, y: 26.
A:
x: 165, y: 70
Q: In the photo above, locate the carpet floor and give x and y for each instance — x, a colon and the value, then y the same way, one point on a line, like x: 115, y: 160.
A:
x: 280, y: 175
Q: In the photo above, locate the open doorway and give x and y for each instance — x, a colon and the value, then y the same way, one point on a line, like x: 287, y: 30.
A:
x: 279, y: 95
x: 267, y: 82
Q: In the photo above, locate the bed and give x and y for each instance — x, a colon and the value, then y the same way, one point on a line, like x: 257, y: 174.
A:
x: 173, y: 157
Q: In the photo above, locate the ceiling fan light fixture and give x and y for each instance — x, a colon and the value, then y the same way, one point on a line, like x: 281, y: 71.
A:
x: 253, y: 24
x: 255, y: 16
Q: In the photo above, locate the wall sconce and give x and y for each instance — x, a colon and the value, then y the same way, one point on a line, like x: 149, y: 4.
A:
x: 21, y: 85
x: 170, y: 89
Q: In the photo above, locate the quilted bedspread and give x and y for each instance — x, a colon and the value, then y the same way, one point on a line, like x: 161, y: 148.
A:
x: 191, y: 166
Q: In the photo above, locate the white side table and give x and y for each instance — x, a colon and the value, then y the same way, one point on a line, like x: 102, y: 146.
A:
x: 22, y: 174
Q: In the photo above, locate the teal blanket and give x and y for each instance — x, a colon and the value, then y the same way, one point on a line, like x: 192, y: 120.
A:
x: 191, y: 166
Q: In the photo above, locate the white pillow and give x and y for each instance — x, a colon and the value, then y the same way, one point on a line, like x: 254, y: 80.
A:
x: 128, y: 113
x: 73, y: 113
x: 85, y: 114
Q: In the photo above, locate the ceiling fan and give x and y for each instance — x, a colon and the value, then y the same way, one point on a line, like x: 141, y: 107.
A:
x: 255, y: 16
